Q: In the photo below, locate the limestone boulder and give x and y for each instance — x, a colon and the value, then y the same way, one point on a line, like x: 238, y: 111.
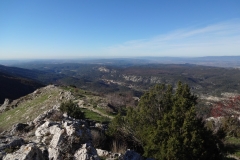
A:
x: 46, y: 115
x: 4, y: 105
x: 10, y: 142
x: 86, y: 152
x: 19, y: 127
x: 26, y: 152
x: 102, y: 153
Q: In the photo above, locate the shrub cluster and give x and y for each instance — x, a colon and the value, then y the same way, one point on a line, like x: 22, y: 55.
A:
x: 72, y: 109
x: 166, y: 126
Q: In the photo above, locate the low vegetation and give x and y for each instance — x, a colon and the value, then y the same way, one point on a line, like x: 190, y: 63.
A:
x: 165, y: 125
x: 72, y: 109
x: 28, y: 109
x: 232, y: 146
x: 95, y: 116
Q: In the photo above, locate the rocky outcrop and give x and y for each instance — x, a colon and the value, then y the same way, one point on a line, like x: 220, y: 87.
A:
x: 26, y: 152
x: 4, y: 105
x: 66, y: 139
x: 86, y: 152
x: 103, y: 153
x: 46, y: 115
x: 133, y: 78
x: 53, y: 135
x: 141, y: 79
x: 50, y: 90
x: 103, y: 69
x: 19, y: 127
x: 9, y: 143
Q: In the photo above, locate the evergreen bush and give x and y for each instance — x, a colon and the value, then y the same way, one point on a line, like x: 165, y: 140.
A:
x: 166, y: 125
x: 72, y: 109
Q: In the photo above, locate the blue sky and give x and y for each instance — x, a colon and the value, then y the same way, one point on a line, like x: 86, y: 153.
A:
x: 32, y: 29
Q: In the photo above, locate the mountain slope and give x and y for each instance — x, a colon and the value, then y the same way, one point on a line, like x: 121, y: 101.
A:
x: 13, y: 87
x: 122, y: 76
x: 37, y: 75
x: 28, y: 107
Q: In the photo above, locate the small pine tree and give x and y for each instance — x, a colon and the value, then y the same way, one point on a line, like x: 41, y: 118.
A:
x: 166, y: 124
x: 151, y: 108
x: 72, y: 109
x: 180, y: 134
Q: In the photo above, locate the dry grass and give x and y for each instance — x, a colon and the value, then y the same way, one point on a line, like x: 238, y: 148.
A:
x: 57, y: 116
x: 98, y: 138
x: 28, y: 110
x: 118, y: 147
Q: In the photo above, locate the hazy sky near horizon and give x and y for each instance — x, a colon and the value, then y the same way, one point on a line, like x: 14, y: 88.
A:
x: 32, y: 29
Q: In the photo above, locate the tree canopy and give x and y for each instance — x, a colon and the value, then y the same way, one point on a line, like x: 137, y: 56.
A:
x: 166, y: 125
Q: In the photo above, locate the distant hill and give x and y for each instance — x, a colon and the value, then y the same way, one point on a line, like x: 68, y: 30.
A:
x: 216, y: 61
x: 13, y: 87
x: 112, y: 77
x: 44, y: 77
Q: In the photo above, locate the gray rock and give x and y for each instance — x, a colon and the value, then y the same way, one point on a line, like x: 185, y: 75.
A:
x: 102, y: 153
x: 57, y: 138
x: 65, y: 138
x: 19, y: 127
x: 47, y: 114
x: 54, y: 154
x: 86, y: 152
x: 26, y: 152
x: 10, y: 142
x: 36, y: 92
x: 43, y: 129
x: 131, y: 155
x: 4, y: 105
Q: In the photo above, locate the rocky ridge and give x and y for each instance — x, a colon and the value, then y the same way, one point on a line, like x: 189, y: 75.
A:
x: 49, y: 136
x: 54, y: 136
x: 41, y: 131
x: 27, y: 108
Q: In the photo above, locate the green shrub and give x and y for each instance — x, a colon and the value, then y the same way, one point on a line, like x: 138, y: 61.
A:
x: 72, y: 109
x: 166, y: 125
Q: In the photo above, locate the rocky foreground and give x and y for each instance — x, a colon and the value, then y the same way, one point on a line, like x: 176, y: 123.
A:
x: 53, y: 135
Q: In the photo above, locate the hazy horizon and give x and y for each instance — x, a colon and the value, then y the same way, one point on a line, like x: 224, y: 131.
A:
x: 118, y: 57
x: 74, y: 29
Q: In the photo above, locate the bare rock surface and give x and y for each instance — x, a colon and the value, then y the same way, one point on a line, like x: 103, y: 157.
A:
x: 86, y: 152
x: 52, y: 134
x: 8, y: 143
x: 4, y: 105
x: 103, y: 153
x: 19, y: 127
x: 67, y: 138
x: 26, y: 152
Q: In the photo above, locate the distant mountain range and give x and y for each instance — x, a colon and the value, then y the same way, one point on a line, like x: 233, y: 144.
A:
x: 218, y: 61
x: 126, y: 75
